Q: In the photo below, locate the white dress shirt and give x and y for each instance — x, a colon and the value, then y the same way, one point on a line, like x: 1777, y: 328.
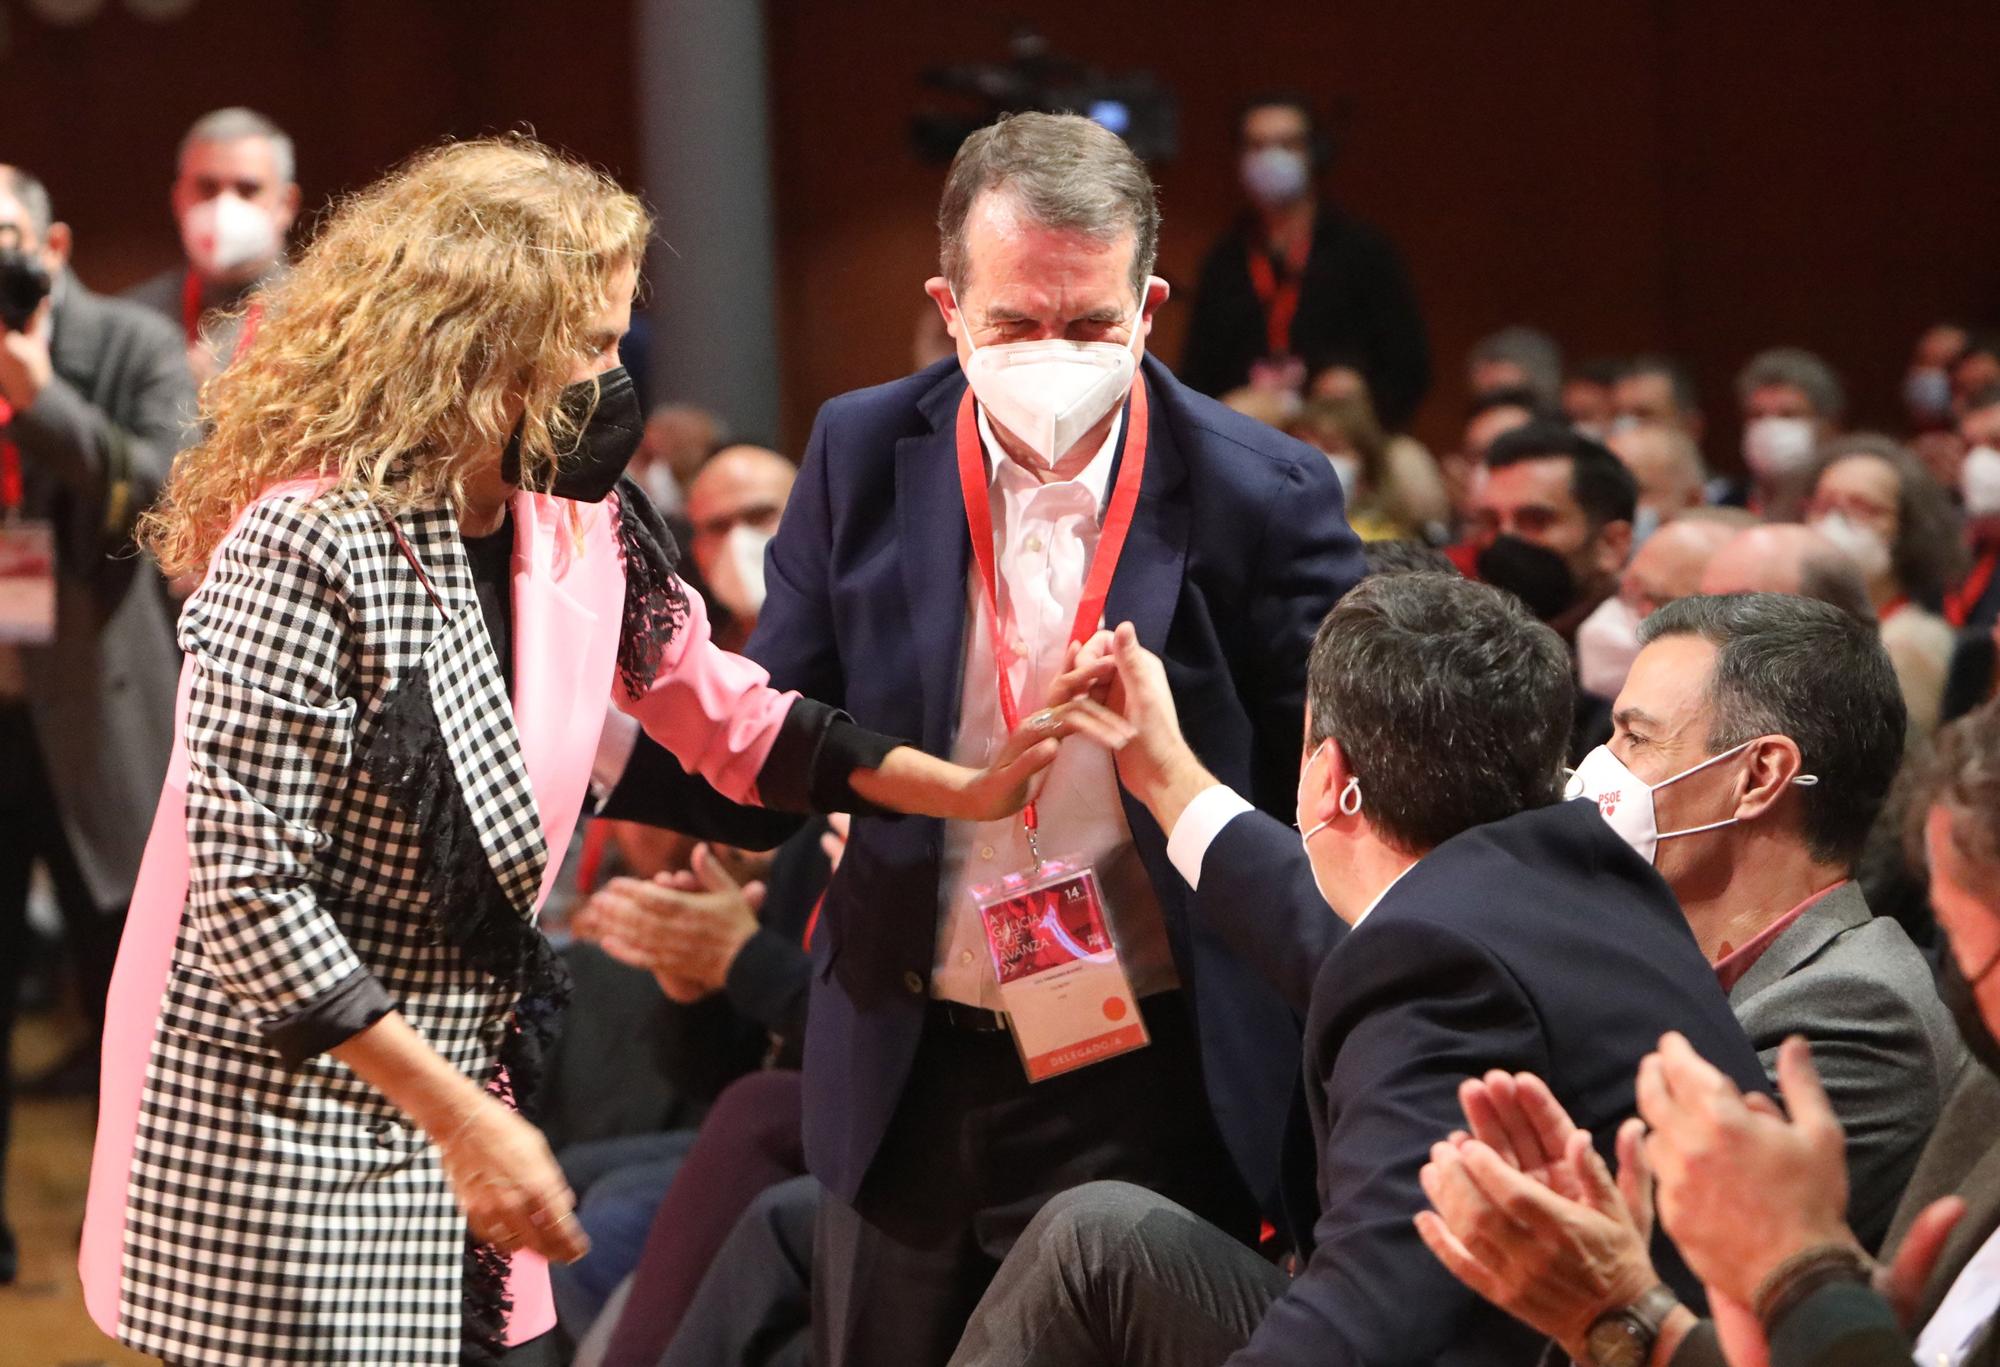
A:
x: 1202, y: 820
x: 1045, y: 536
x: 1965, y: 1310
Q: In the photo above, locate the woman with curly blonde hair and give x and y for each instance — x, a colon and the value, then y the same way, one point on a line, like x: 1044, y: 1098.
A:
x: 424, y: 579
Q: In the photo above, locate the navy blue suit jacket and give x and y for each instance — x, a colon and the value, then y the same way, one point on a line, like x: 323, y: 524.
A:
x: 1238, y: 549
x: 1537, y: 944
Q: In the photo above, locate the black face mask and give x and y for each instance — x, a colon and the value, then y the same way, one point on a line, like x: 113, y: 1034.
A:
x: 1956, y: 991
x: 605, y: 442
x: 1534, y: 574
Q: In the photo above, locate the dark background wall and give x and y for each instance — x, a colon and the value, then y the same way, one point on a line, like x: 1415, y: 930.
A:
x: 1707, y: 177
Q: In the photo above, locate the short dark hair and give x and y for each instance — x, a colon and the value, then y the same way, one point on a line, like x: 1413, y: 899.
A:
x: 1405, y: 555
x: 1065, y: 171
x: 1963, y: 777
x: 1679, y: 378
x: 1603, y: 370
x: 1598, y: 480
x: 1451, y: 702
x: 1282, y: 98
x: 1792, y: 666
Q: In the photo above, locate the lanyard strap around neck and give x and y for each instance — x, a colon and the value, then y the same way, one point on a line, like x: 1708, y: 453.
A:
x: 975, y: 485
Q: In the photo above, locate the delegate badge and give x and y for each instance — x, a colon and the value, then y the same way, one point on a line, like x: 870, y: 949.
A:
x: 27, y: 583
x: 1067, y: 998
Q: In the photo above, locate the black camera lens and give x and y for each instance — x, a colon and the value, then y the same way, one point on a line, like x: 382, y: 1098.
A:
x: 24, y: 283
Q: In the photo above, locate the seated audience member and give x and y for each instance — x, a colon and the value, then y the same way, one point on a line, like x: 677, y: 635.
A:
x: 1488, y: 419
x: 1785, y: 557
x: 1665, y: 570
x: 1666, y: 464
x: 1552, y: 524
x: 1588, y: 396
x: 1274, y: 407
x: 1430, y: 929
x: 1414, y: 483
x: 679, y: 438
x: 1659, y: 389
x: 1975, y: 369
x: 235, y: 195
x: 1976, y: 602
x: 1517, y: 358
x: 1756, y: 741
x: 733, y: 506
x: 1792, y: 404
x: 1346, y: 430
x: 1927, y: 402
x: 1876, y: 502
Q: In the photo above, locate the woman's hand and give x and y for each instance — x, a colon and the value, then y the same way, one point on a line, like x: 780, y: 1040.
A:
x: 508, y: 1184
x: 912, y: 781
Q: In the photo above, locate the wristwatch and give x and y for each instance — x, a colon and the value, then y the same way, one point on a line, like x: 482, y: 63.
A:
x: 1625, y: 1337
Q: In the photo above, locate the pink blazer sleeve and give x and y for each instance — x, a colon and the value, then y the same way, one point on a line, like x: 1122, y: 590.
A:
x: 716, y: 712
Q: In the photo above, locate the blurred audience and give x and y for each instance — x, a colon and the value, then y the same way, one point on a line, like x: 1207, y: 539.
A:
x: 733, y: 506
x: 1665, y: 570
x: 1517, y: 358
x: 1297, y: 283
x: 1589, y: 396
x: 1875, y: 501
x: 1666, y: 464
x: 1975, y: 601
x: 95, y: 399
x: 235, y: 195
x: 679, y: 437
x: 1792, y: 403
x: 1659, y: 389
x: 1786, y: 557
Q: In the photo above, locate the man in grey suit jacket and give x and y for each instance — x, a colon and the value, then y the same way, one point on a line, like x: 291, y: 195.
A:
x: 97, y: 398
x: 1756, y: 738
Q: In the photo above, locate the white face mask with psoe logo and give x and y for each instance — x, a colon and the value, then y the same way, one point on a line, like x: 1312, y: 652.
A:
x: 1626, y: 801
x: 1049, y: 393
x: 227, y: 233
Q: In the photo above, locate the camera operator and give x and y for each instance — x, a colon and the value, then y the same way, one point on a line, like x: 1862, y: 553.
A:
x: 94, y: 398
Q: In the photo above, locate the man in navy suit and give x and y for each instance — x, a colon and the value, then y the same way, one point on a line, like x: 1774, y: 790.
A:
x: 1474, y: 922
x: 934, y: 1148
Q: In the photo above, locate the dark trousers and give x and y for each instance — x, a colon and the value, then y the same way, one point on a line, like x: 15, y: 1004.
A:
x: 31, y: 832
x: 748, y: 1144
x: 753, y: 1307
x: 975, y: 1151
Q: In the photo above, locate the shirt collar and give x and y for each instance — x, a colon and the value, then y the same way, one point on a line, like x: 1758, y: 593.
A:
x: 1738, y: 961
x: 1094, y: 477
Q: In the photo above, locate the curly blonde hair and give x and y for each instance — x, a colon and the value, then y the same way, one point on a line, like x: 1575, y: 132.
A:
x: 390, y: 358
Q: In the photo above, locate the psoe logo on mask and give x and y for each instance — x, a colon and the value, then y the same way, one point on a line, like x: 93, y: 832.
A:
x: 1607, y: 803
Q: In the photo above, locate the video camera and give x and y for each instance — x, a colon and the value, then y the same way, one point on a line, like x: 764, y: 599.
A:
x: 1135, y: 106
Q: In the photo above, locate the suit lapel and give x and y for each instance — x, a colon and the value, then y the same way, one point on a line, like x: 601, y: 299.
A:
x: 475, y: 714
x: 1840, y: 910
x: 936, y: 552
x: 1147, y: 585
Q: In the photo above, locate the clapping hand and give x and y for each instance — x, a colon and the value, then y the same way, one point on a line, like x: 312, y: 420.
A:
x: 686, y: 928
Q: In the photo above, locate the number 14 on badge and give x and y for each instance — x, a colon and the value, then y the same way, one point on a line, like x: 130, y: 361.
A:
x: 1068, y: 1000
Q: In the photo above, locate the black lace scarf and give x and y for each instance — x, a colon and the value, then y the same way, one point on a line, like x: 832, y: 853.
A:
x: 471, y: 911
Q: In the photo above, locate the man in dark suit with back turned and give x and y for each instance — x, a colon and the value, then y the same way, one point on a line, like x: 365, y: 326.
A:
x: 934, y: 1147
x: 1473, y: 922
x: 94, y: 400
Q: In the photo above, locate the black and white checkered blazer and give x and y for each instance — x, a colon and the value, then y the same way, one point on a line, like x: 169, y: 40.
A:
x: 279, y: 1208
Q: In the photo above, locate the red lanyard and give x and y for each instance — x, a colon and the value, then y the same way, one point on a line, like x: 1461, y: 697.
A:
x: 191, y: 311
x: 1958, y: 605
x: 1280, y: 300
x: 11, y: 494
x: 975, y: 485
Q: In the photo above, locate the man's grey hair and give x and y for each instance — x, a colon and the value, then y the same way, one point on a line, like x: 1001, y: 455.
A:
x: 1790, y: 666
x: 235, y: 122
x: 33, y: 197
x: 1064, y: 171
x: 1533, y: 350
x: 1801, y: 369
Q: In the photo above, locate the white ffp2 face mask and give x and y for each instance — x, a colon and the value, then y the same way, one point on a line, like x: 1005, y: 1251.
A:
x: 739, y: 571
x: 1606, y: 645
x: 1863, y: 545
x: 1049, y: 393
x: 1979, y: 481
x: 1626, y: 801
x: 227, y: 233
x: 1776, y: 447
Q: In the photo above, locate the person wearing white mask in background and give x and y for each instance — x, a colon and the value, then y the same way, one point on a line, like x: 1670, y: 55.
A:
x: 1874, y: 500
x: 1975, y: 603
x: 1792, y: 402
x: 1755, y: 743
x: 733, y: 506
x: 946, y: 542
x: 1665, y: 570
x: 234, y: 197
x: 1297, y: 284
